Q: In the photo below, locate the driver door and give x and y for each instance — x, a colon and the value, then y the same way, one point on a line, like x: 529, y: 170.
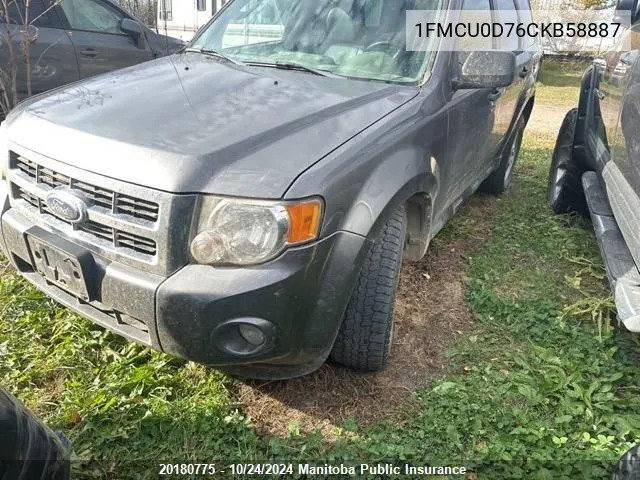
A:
x: 100, y: 45
x: 471, y: 116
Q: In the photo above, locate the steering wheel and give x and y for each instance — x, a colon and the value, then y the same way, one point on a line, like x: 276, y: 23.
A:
x: 384, y: 46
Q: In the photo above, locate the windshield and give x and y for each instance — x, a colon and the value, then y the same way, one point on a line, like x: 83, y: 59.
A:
x: 352, y: 38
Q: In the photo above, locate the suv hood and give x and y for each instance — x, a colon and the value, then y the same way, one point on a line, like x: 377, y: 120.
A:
x: 188, y: 123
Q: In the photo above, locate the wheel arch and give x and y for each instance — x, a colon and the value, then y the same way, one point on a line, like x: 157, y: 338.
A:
x: 419, y: 210
x: 386, y: 188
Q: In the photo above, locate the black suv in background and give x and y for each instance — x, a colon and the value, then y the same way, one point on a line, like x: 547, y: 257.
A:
x: 248, y: 202
x: 76, y: 39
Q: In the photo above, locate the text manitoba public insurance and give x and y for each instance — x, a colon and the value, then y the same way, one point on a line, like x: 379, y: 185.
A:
x: 378, y: 469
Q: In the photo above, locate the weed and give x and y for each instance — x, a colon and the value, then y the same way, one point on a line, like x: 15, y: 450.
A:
x: 599, y: 309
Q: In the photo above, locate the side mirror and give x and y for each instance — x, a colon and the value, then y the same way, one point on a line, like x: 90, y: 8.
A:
x: 484, y: 69
x: 135, y: 30
x: 131, y: 27
x: 629, y: 7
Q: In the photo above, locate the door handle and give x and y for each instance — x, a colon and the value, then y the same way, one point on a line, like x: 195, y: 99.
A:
x: 495, y: 95
x: 89, y: 52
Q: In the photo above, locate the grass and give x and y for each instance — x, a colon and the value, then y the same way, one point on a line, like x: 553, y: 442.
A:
x: 558, y: 82
x: 536, y: 390
x: 558, y: 397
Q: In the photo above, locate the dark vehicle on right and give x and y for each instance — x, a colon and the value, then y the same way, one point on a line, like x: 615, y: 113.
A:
x: 595, y: 169
x: 595, y: 172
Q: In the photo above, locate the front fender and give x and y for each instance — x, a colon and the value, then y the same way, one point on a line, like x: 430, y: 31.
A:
x: 393, y: 181
x: 360, y: 197
x: 377, y: 171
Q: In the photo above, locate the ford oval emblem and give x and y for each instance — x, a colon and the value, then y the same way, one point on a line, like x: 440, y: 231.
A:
x: 67, y: 205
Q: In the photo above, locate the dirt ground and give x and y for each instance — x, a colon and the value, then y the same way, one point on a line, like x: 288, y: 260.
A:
x: 426, y: 327
x: 546, y: 119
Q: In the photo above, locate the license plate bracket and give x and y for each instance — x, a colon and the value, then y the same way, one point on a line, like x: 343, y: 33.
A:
x: 61, y: 263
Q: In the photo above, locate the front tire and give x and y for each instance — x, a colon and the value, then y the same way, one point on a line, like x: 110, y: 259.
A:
x: 366, y: 334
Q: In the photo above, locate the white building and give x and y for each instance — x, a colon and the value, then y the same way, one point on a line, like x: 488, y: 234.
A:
x: 182, y: 18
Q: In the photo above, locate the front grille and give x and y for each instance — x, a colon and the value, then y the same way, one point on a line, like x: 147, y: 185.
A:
x: 133, y: 225
x: 108, y: 236
x: 116, y: 203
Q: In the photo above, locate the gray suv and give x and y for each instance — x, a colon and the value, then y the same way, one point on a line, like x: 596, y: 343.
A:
x: 248, y: 202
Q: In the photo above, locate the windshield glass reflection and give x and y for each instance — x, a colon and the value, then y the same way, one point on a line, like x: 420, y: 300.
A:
x: 353, y: 38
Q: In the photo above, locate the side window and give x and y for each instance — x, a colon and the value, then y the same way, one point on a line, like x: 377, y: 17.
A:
x: 202, y: 5
x: 506, y: 13
x: 92, y: 16
x: 478, y: 43
x: 43, y: 12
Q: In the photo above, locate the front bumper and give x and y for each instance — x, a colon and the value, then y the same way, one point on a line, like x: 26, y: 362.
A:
x: 296, y: 300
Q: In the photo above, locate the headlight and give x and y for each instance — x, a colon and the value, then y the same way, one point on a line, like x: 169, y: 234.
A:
x: 246, y: 232
x: 4, y: 150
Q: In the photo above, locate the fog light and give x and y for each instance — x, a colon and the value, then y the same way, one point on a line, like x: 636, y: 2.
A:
x: 245, y: 337
x: 251, y: 333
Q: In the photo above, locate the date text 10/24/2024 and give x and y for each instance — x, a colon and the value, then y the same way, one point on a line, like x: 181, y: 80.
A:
x: 278, y: 469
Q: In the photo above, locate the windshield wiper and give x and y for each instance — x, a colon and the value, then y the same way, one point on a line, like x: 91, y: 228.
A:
x: 292, y: 66
x: 212, y: 53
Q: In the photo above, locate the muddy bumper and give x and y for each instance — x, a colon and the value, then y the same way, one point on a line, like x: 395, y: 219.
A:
x: 275, y: 320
